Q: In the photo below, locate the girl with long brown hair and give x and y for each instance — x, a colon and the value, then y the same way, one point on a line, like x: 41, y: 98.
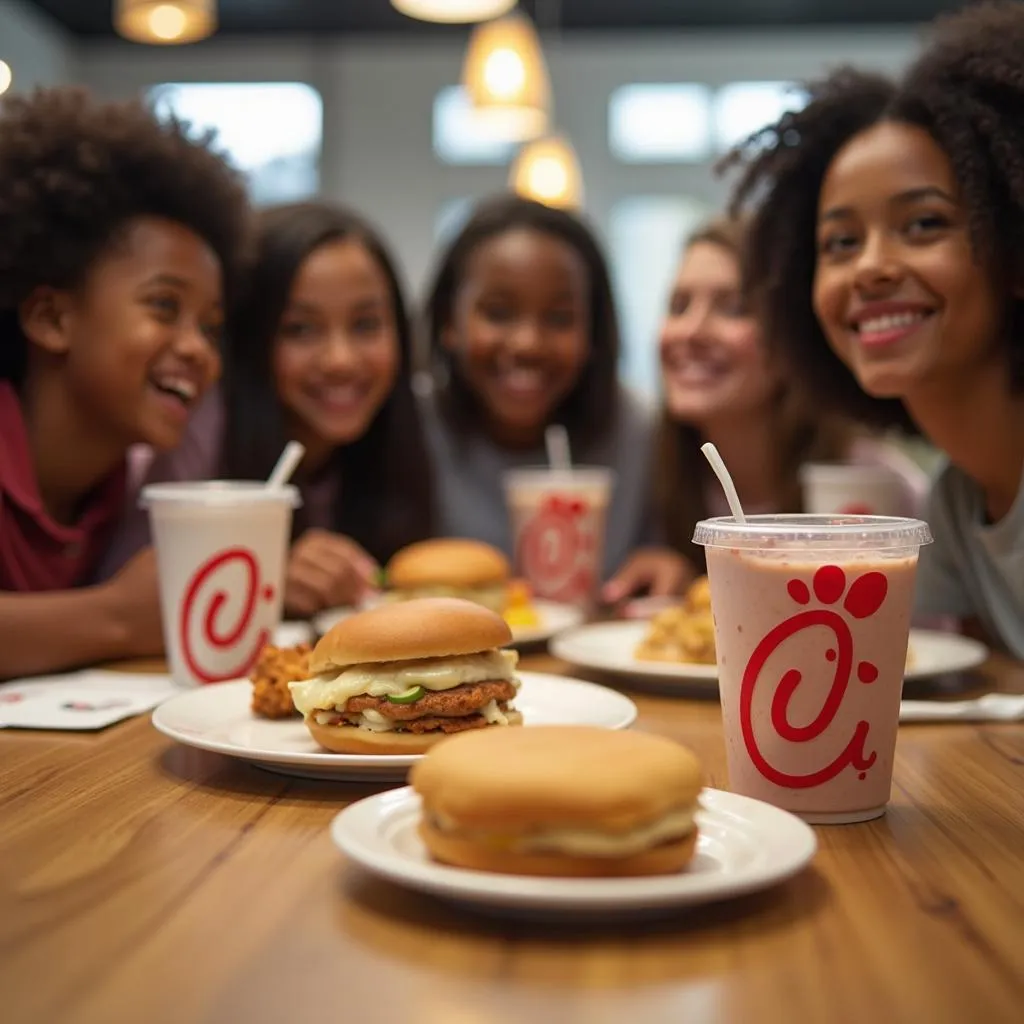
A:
x: 723, y: 384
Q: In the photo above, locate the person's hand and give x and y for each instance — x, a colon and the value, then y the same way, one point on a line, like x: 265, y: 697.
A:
x: 326, y: 570
x: 134, y: 596
x: 656, y: 572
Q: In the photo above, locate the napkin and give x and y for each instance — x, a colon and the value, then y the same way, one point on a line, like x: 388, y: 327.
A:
x: 80, y: 701
x: 993, y: 707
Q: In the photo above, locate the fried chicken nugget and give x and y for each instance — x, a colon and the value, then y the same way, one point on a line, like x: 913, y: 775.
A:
x: 276, y: 668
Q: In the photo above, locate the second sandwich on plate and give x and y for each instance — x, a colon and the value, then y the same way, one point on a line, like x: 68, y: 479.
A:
x: 560, y: 800
x: 399, y: 677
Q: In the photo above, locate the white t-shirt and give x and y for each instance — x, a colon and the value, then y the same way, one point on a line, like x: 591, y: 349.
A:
x: 974, y: 569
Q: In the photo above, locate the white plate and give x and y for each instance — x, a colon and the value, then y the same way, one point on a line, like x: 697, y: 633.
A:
x: 554, y: 618
x: 218, y: 718
x: 609, y: 647
x: 743, y: 845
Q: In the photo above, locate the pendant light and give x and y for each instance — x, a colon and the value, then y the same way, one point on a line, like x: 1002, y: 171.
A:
x: 165, y: 22
x: 453, y: 12
x: 548, y: 171
x: 506, y: 79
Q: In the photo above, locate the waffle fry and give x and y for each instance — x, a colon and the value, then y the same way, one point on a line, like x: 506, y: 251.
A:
x: 276, y: 668
x: 685, y: 633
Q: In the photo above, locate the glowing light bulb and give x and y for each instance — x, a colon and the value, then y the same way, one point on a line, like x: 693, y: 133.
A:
x: 167, y: 21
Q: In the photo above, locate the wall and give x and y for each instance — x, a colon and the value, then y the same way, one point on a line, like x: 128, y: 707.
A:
x: 378, y: 98
x: 37, y: 49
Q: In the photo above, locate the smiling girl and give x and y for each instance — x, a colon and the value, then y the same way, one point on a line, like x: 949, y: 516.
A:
x: 116, y: 236
x: 318, y: 350
x: 886, y: 253
x: 721, y: 384
x: 523, y: 334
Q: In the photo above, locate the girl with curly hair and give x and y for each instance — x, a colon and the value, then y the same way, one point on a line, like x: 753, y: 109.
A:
x: 118, y: 237
x: 885, y: 258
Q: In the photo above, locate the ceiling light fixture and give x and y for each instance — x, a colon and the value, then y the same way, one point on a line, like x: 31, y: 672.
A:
x: 453, y: 12
x: 6, y: 76
x: 506, y: 78
x: 548, y: 171
x: 165, y: 22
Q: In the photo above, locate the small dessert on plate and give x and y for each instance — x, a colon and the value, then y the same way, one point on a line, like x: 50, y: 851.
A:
x: 561, y: 801
x: 275, y: 669
x: 397, y: 678
x: 450, y: 567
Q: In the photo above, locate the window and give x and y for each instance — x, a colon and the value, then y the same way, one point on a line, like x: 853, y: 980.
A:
x: 660, y: 123
x: 459, y: 137
x: 645, y: 240
x: 271, y: 131
x: 743, y: 108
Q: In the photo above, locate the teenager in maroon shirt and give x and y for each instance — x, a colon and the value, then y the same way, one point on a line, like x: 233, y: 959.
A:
x: 117, y: 235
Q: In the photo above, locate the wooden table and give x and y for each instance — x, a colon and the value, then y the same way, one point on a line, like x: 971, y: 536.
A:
x: 145, y: 882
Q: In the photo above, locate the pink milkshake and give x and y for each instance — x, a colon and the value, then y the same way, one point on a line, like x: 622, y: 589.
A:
x: 812, y: 615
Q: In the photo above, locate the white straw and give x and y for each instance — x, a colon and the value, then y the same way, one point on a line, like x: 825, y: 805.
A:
x: 556, y: 441
x: 711, y: 454
x: 286, y: 465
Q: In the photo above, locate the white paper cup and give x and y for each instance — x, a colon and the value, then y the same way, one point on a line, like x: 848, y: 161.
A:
x: 220, y: 550
x: 839, y: 489
x: 558, y: 525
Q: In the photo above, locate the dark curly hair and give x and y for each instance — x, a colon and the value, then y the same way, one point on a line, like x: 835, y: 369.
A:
x: 386, y: 498
x: 967, y: 92
x: 74, y: 171
x: 589, y: 410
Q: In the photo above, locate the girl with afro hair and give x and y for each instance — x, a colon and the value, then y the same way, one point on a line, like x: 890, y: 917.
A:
x: 886, y: 259
x: 118, y: 238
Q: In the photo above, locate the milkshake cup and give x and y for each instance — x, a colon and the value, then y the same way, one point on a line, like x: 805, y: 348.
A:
x: 812, y: 616
x: 558, y: 525
x: 220, y: 551
x: 838, y: 489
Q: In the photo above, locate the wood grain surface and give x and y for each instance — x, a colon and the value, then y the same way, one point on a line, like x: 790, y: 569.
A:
x: 142, y: 881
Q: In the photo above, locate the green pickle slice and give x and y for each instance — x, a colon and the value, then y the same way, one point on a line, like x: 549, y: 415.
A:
x: 409, y: 696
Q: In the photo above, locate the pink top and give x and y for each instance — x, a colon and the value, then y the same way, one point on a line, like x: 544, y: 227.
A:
x: 196, y: 458
x: 36, y: 552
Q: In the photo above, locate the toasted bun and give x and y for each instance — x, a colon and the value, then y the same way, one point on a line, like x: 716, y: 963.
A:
x: 556, y: 776
x: 430, y: 627
x: 345, y: 739
x: 464, y: 853
x: 447, y: 562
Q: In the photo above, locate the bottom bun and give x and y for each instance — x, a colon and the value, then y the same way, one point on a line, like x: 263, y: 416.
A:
x: 665, y: 859
x: 349, y: 739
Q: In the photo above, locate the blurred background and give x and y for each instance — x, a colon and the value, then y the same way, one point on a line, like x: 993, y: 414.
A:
x: 362, y: 103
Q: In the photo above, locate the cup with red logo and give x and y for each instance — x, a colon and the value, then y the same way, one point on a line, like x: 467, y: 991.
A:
x: 835, y: 488
x: 220, y: 551
x: 812, y: 616
x: 558, y: 524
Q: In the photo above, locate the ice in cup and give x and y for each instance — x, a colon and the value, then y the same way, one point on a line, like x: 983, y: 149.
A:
x: 558, y: 525
x: 812, y: 615
x: 220, y: 550
x: 838, y: 489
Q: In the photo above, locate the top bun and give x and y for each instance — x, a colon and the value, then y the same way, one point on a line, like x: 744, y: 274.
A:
x: 556, y: 776
x: 447, y: 562
x: 430, y: 627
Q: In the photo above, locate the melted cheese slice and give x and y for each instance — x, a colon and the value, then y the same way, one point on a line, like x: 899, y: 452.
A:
x: 587, y: 842
x: 333, y: 690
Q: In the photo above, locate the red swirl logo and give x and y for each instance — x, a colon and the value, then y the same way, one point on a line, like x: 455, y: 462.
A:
x: 203, y: 598
x: 555, y: 547
x: 866, y: 595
